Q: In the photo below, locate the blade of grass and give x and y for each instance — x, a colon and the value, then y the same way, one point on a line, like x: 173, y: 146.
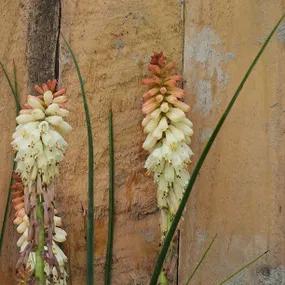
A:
x: 16, y: 87
x: 14, y: 90
x: 90, y: 209
x: 201, y: 260
x: 171, y: 232
x: 6, y: 211
x: 109, y: 253
x: 243, y: 268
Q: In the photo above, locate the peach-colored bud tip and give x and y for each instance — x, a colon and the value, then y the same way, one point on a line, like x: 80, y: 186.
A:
x: 163, y: 90
x: 159, y: 98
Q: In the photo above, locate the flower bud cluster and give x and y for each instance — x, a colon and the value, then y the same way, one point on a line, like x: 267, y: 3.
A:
x: 38, y: 138
x: 168, y: 133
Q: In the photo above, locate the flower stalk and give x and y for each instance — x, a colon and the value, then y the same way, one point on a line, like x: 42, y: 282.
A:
x: 39, y: 268
x: 163, y: 279
x: 168, y: 136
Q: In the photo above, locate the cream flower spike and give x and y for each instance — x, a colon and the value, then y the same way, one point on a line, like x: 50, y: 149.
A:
x: 168, y: 135
x: 40, y: 145
x: 39, y: 136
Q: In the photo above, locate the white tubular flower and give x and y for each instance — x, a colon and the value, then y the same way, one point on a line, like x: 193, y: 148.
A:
x: 38, y: 138
x: 168, y: 137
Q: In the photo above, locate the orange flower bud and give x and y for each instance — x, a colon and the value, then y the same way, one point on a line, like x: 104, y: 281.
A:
x: 151, y: 81
x: 159, y: 98
x: 150, y: 93
x: 163, y: 90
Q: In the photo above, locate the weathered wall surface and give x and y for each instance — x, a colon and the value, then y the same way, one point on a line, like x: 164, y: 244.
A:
x: 12, y: 46
x: 240, y: 191
x: 239, y: 194
x: 29, y: 37
x: 113, y: 41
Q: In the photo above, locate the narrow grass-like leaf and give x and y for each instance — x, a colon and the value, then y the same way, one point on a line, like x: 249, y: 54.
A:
x: 109, y: 253
x: 14, y: 89
x: 243, y: 268
x: 15, y: 93
x: 6, y: 211
x: 171, y: 232
x: 201, y: 260
x: 90, y: 209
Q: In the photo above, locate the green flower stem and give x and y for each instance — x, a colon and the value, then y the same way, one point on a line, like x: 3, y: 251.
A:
x: 39, y: 268
x: 163, y: 278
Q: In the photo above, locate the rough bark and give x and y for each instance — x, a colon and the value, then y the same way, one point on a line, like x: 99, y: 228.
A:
x: 42, y: 40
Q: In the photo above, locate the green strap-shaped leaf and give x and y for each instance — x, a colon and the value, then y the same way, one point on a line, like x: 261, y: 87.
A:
x: 90, y: 210
x: 109, y: 253
x: 171, y: 232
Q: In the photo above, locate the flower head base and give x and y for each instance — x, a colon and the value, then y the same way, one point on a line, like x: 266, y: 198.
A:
x: 168, y: 132
x: 23, y: 223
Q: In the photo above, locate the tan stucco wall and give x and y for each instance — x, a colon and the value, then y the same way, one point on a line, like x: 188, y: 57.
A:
x: 113, y: 41
x: 239, y: 194
x: 12, y: 46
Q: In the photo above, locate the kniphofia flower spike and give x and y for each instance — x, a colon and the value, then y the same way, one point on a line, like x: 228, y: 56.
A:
x: 40, y: 145
x: 168, y: 133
